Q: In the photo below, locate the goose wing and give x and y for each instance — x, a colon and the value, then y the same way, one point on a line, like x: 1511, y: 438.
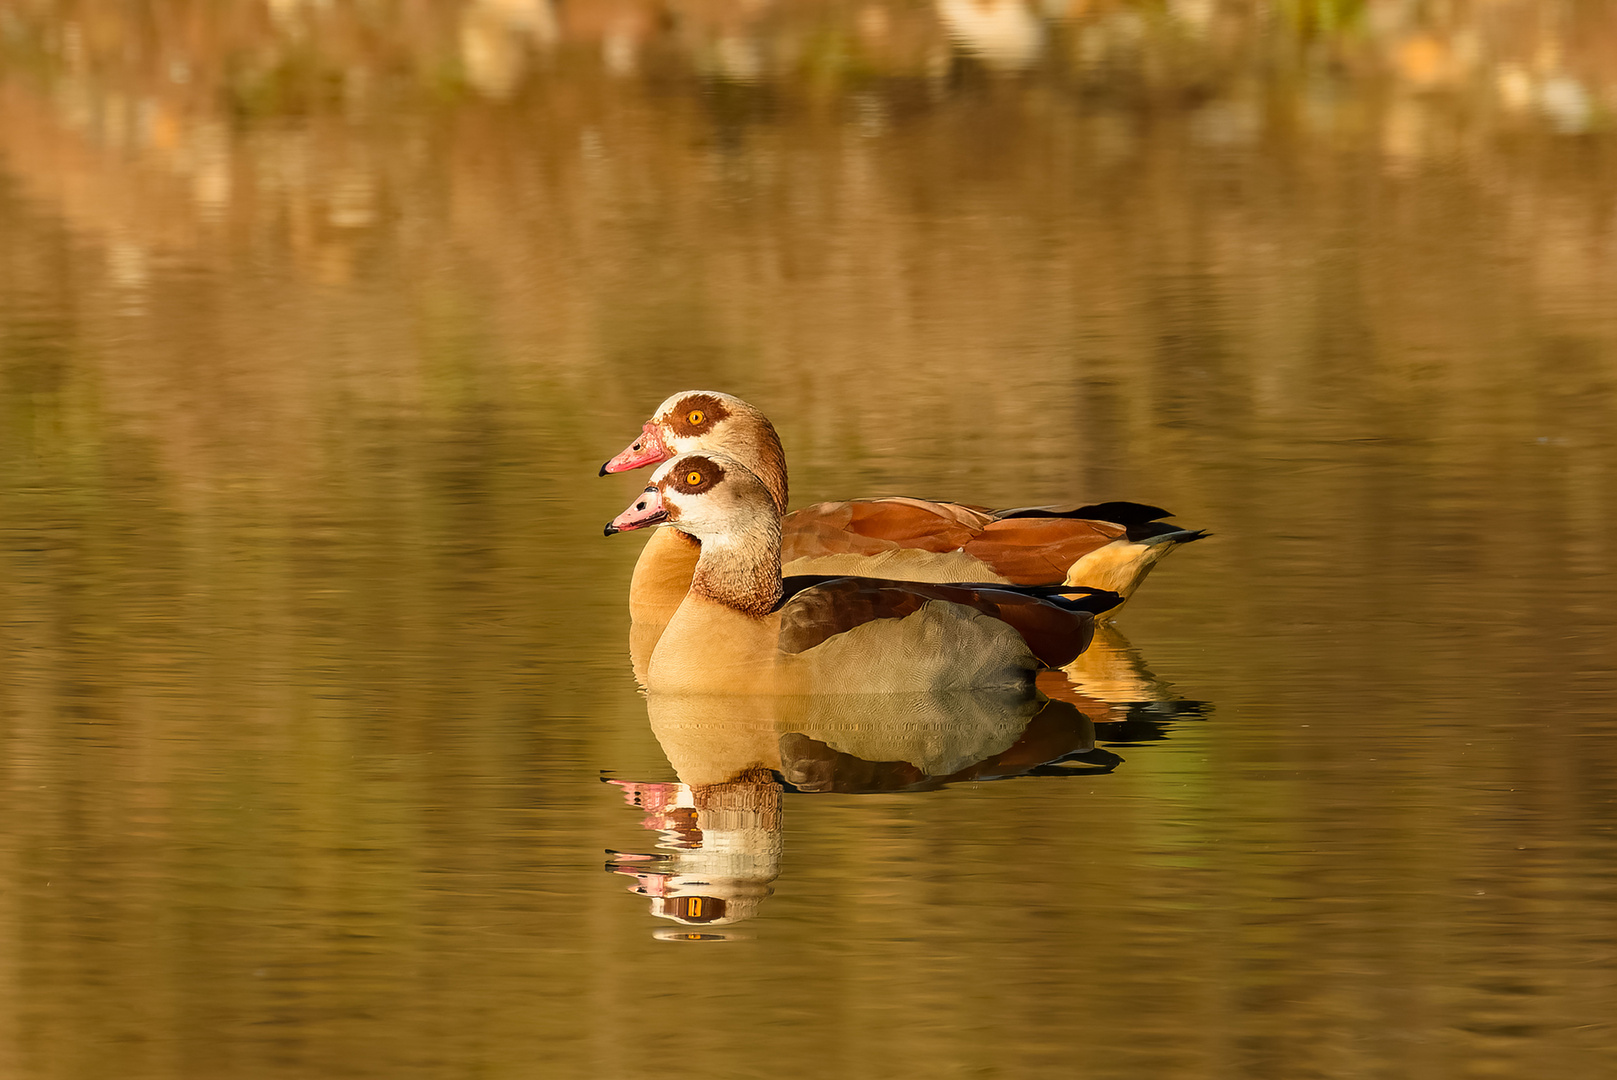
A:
x: 1029, y: 545
x: 1119, y: 513
x: 871, y: 526
x: 1056, y: 624
x: 1035, y: 550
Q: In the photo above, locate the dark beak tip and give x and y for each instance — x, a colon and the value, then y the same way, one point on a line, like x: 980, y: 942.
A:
x: 609, y: 530
x: 604, y: 469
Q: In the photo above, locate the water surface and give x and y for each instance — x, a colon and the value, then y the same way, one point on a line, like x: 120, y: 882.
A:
x: 316, y: 322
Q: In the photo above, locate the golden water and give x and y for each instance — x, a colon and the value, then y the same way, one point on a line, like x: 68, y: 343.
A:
x: 316, y: 321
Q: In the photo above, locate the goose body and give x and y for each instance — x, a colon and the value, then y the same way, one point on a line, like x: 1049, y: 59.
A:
x: 740, y: 629
x: 1105, y: 546
x: 939, y: 647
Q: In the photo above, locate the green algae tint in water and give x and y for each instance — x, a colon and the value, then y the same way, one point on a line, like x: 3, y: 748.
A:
x: 317, y: 321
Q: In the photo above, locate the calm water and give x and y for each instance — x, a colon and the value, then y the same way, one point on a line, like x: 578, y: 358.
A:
x: 316, y: 321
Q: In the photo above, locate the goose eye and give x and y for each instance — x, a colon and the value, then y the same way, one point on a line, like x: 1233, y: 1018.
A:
x: 693, y: 478
x: 696, y: 416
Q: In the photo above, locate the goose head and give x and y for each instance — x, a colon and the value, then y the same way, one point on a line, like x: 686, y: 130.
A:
x: 693, y: 421
x: 710, y: 496
x: 718, y: 501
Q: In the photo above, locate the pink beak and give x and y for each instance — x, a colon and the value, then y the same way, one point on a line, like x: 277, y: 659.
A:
x: 649, y: 449
x: 647, y: 510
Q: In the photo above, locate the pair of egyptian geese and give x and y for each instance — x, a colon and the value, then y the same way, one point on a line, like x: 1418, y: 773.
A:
x: 889, y: 595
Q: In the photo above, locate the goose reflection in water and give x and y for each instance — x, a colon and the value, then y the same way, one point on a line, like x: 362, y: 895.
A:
x: 1111, y: 684
x: 720, y: 825
x: 720, y: 847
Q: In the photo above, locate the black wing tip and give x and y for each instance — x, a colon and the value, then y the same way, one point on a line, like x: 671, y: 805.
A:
x: 1076, y: 597
x: 1083, y: 598
x: 1163, y: 533
x: 1117, y: 512
x: 1073, y: 597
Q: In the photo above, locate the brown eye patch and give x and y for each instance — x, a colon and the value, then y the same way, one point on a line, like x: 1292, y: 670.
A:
x: 695, y: 475
x: 695, y: 414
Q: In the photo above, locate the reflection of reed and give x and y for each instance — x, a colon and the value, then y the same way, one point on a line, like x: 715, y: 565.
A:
x: 226, y: 390
x: 533, y: 250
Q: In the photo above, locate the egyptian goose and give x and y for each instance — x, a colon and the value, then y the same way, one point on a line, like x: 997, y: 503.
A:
x: 1109, y: 546
x: 742, y: 630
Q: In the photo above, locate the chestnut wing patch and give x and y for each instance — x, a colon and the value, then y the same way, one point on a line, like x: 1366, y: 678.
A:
x: 1055, y: 632
x: 898, y: 508
x: 833, y: 606
x: 1038, y: 550
x: 1056, y: 627
x: 871, y: 526
x: 1033, y: 546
